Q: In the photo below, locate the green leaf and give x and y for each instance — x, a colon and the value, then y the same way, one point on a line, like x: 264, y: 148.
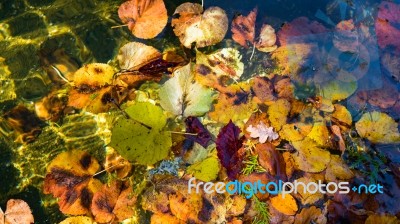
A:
x: 138, y: 143
x: 206, y: 170
x: 181, y: 95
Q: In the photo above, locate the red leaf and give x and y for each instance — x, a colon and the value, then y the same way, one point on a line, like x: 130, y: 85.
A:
x: 387, y: 31
x: 228, y: 145
x: 193, y: 125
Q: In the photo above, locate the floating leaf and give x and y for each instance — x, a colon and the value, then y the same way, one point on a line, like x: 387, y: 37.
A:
x: 116, y: 163
x: 206, y: 170
x: 286, y: 205
x: 70, y: 178
x: 267, y: 40
x: 193, y: 125
x: 220, y: 63
x: 195, y: 26
x: 181, y: 95
x: 140, y: 138
x: 145, y: 18
x: 339, y: 88
x: 93, y: 75
x: 228, y: 145
x: 17, y: 212
x: 386, y: 25
x: 243, y: 28
x: 78, y: 220
x: 311, y: 158
x: 378, y: 128
x: 264, y: 89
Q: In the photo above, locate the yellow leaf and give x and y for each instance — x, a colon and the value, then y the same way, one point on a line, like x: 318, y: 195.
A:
x: 384, y: 218
x: 78, y: 220
x: 206, y: 170
x: 286, y: 205
x: 320, y: 134
x: 378, y: 128
x: 295, y: 132
x: 342, y: 115
x: 278, y: 113
x: 307, y: 197
x: 337, y: 170
x: 310, y: 158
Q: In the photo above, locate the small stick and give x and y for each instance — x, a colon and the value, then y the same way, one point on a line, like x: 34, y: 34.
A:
x: 102, y: 171
x: 182, y: 133
x: 252, y: 53
x: 119, y: 26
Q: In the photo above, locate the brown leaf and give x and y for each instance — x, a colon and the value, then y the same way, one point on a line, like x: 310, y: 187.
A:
x: 310, y: 215
x: 124, y: 208
x: 145, y: 18
x: 51, y: 107
x: 267, y: 40
x: 116, y: 163
x: 271, y: 160
x: 18, y: 212
x: 103, y: 202
x: 25, y: 123
x: 70, y: 179
x: 158, y: 218
x: 243, y: 28
x: 383, y: 218
x: 264, y: 89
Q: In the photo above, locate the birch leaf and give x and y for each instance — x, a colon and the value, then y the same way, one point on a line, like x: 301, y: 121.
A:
x: 181, y: 95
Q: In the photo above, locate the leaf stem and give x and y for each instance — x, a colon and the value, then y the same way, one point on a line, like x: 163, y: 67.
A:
x: 119, y: 26
x: 182, y: 133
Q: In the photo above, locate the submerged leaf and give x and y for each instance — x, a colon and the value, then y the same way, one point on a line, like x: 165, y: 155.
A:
x: 17, y: 212
x: 202, y: 28
x: 228, y: 147
x: 378, y: 128
x: 243, y: 28
x: 206, y: 170
x: 181, y: 95
x: 133, y: 55
x: 70, y: 178
x: 278, y: 113
x: 267, y: 40
x: 140, y: 138
x: 78, y: 220
x: 145, y: 18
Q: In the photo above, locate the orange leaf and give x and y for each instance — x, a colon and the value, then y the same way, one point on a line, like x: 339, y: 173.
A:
x: 145, y: 18
x: 286, y: 205
x: 70, y: 179
x: 243, y: 28
x: 18, y: 212
x: 104, y: 201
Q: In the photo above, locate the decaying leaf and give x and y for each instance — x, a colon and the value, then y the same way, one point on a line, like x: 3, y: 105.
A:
x: 383, y: 218
x: 228, y: 146
x: 116, y: 163
x: 310, y: 158
x: 243, y: 28
x: 286, y: 205
x: 303, y: 195
x: 52, y: 106
x: 378, y: 128
x: 145, y: 18
x: 206, y: 170
x: 264, y: 89
x: 17, y: 212
x: 225, y: 62
x: 387, y: 31
x: 202, y: 28
x: 181, y: 95
x: 70, y: 179
x: 114, y: 202
x: 267, y: 40
x: 140, y: 137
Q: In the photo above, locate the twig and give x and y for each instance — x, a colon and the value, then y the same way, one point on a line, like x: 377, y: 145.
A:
x: 119, y: 26
x: 182, y: 133
x: 252, y: 53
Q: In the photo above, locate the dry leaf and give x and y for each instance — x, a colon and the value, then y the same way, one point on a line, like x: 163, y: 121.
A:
x: 243, y: 29
x: 278, y: 113
x: 303, y: 195
x: 133, y: 55
x: 310, y: 215
x: 310, y: 157
x: 337, y: 170
x: 202, y: 28
x: 145, y: 18
x: 17, y: 212
x: 267, y: 40
x: 382, y: 218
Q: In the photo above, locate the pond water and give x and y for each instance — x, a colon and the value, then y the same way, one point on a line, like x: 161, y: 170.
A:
x: 329, y: 89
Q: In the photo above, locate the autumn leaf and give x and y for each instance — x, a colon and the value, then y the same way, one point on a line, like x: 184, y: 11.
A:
x: 78, y: 220
x: 228, y: 147
x: 387, y: 31
x: 278, y: 113
x: 202, y: 28
x: 262, y: 132
x: 181, y: 95
x: 140, y: 137
x: 382, y: 218
x: 206, y: 170
x: 310, y: 158
x: 338, y: 170
x: 133, y: 55
x: 303, y: 195
x: 267, y: 39
x: 194, y: 126
x: 17, y: 212
x: 115, y: 163
x: 310, y: 215
x: 145, y: 18
x: 70, y: 179
x: 286, y: 205
x: 378, y: 128
x: 243, y: 29
x: 264, y: 89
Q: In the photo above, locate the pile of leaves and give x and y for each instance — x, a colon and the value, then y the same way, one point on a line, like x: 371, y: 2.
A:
x: 179, y: 115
